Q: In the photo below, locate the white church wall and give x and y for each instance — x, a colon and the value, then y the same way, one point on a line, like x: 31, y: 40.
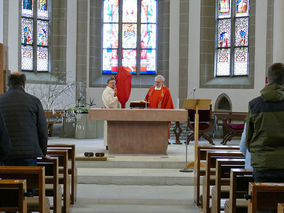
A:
x: 278, y: 45
x: 1, y: 21
x: 13, y: 35
x: 239, y: 97
x: 174, y: 51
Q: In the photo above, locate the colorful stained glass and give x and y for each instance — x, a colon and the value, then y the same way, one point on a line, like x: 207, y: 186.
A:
x: 148, y: 35
x: 110, y: 38
x: 110, y: 61
x: 129, y: 60
x: 148, y: 62
x: 27, y: 8
x: 223, y: 62
x: 111, y: 10
x: 42, y: 59
x: 224, y: 8
x: 148, y: 11
x: 42, y: 9
x: 129, y: 35
x: 42, y: 33
x: 241, y: 61
x: 242, y: 8
x: 224, y: 33
x: 241, y: 32
x: 27, y: 31
x: 27, y: 57
x: 129, y: 11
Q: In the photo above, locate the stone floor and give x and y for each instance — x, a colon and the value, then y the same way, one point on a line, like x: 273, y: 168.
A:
x: 133, y: 183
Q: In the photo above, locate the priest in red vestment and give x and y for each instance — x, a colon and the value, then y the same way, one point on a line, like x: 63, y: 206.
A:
x: 159, y: 96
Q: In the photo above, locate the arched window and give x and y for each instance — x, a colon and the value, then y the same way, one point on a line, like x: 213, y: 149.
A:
x: 129, y: 36
x: 34, y: 35
x: 232, y: 38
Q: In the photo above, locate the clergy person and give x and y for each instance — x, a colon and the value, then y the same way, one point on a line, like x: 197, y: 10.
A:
x: 159, y: 96
x: 110, y: 101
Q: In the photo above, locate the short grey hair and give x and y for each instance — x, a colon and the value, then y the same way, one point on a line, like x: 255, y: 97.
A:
x: 276, y: 73
x: 161, y: 77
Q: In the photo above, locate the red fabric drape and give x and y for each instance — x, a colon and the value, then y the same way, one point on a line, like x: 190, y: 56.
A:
x: 123, y: 85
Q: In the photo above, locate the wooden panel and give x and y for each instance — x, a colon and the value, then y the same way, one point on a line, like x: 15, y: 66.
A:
x: 137, y: 137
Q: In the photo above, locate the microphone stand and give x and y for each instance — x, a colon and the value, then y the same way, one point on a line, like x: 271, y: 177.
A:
x: 186, y: 145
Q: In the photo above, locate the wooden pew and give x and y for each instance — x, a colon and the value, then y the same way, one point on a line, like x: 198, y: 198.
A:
x: 222, y: 181
x: 12, y: 195
x: 73, y: 169
x: 52, y: 182
x: 63, y: 163
x: 265, y: 196
x: 211, y: 157
x: 280, y: 208
x: 201, y: 156
x: 239, y: 180
x: 35, y: 178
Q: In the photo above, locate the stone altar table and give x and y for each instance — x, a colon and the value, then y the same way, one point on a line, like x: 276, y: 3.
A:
x: 138, y: 131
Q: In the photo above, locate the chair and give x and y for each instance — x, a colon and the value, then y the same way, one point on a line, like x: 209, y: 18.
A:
x: 230, y: 130
x: 206, y: 122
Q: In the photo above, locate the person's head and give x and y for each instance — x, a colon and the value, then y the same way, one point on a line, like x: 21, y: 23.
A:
x: 159, y: 81
x: 17, y: 79
x: 111, y: 83
x: 276, y: 74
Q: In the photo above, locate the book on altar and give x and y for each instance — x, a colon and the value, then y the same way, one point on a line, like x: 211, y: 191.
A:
x: 140, y: 104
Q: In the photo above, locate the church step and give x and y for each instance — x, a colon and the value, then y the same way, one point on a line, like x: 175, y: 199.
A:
x: 132, y: 176
x: 111, y: 163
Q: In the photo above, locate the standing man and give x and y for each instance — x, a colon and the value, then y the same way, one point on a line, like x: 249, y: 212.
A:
x: 159, y: 96
x: 110, y: 101
x: 26, y: 123
x: 265, y: 125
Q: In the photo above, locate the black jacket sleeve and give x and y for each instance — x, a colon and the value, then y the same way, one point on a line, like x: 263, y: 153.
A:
x: 5, y: 143
x: 42, y: 128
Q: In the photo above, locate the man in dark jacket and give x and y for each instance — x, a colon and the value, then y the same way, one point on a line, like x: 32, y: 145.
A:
x: 265, y: 129
x: 5, y: 143
x: 26, y: 123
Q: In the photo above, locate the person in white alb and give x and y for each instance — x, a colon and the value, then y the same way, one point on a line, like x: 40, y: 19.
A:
x: 110, y: 101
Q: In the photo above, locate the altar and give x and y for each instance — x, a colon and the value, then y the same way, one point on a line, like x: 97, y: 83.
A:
x: 138, y: 131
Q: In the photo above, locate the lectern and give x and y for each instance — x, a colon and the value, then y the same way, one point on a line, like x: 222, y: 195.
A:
x: 196, y: 104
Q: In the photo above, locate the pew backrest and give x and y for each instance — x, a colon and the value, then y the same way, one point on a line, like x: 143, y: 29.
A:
x: 34, y: 176
x: 12, y: 195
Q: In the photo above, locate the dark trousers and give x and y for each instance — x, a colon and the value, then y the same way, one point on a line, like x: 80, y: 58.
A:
x: 268, y: 175
x: 22, y: 162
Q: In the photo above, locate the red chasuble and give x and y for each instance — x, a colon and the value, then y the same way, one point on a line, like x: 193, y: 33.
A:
x: 160, y: 99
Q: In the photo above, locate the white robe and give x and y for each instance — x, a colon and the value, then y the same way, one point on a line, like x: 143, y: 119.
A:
x: 110, y: 102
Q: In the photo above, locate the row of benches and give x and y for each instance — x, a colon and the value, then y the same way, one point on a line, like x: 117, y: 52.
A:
x: 229, y: 186
x: 46, y: 179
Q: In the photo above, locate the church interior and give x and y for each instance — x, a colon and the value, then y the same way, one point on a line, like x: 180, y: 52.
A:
x: 214, y: 51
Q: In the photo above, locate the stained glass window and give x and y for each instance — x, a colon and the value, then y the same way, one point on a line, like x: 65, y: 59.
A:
x: 137, y: 25
x: 34, y: 35
x: 232, y: 48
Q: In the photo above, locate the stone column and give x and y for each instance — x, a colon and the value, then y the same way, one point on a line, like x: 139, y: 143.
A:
x: 1, y: 21
x: 278, y: 39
